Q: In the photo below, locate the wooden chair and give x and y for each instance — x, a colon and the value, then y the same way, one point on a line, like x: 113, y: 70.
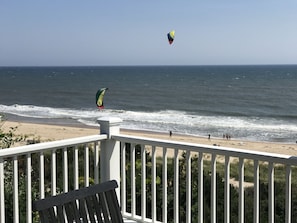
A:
x: 96, y: 203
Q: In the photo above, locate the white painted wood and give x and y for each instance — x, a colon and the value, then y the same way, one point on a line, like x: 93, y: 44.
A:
x: 39, y: 147
x: 15, y: 190
x: 241, y: 190
x: 256, y: 192
x: 213, y: 202
x: 123, y: 178
x: 28, y: 189
x: 41, y: 175
x: 110, y: 150
x: 54, y: 173
x: 143, y: 182
x: 227, y: 190
x: 176, y: 186
x: 133, y: 178
x: 288, y: 193
x: 87, y: 165
x: 65, y: 170
x: 271, y: 192
x: 75, y: 168
x: 200, y: 188
x: 164, y: 185
x: 188, y: 187
x: 154, y: 189
x: 2, y: 198
x: 96, y: 162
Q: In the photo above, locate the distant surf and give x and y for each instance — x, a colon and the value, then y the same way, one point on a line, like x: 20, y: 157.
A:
x: 250, y: 128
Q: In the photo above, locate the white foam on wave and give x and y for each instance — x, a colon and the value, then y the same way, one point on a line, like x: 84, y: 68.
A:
x: 178, y: 121
x: 38, y: 112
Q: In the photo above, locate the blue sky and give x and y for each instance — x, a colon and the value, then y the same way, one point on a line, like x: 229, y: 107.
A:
x: 133, y: 32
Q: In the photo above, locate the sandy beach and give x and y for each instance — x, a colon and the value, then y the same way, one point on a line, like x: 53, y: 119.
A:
x: 47, y: 132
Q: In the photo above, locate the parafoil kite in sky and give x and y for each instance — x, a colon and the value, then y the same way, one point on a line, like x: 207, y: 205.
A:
x: 170, y: 36
x: 99, y: 97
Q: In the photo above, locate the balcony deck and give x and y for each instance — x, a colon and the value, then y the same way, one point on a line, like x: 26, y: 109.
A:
x: 160, y: 180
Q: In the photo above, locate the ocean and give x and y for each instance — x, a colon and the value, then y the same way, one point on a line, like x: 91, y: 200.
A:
x: 247, y: 102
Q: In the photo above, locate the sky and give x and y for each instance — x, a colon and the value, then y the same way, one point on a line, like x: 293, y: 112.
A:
x: 133, y: 32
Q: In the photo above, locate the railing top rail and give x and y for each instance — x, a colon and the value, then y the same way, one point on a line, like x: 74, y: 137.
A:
x: 21, y: 150
x: 218, y: 150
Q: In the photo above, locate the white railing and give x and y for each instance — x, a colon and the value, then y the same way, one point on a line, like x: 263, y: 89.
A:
x: 160, y: 180
x: 212, y: 154
x: 45, y: 161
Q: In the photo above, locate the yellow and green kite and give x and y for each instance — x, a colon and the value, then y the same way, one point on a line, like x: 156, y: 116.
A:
x: 99, y: 97
x: 171, y: 36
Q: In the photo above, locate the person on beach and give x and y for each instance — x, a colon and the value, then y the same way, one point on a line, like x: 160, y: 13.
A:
x: 170, y: 133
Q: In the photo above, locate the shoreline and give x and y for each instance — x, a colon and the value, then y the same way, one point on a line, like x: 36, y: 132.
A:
x: 54, y: 131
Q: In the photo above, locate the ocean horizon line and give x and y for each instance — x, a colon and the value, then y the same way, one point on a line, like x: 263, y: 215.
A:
x: 143, y: 65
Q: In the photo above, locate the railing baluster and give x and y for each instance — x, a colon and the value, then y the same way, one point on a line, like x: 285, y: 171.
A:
x: 154, y: 196
x: 213, y: 188
x: 41, y: 175
x: 96, y: 162
x: 288, y: 193
x: 200, y: 188
x: 28, y: 189
x: 75, y: 168
x: 227, y: 190
x: 188, y: 188
x: 15, y: 190
x: 2, y: 198
x: 271, y: 192
x: 164, y: 184
x: 133, y: 179
x: 241, y: 190
x: 87, y: 164
x: 65, y: 169
x: 54, y: 173
x: 176, y: 186
x: 256, y: 191
x: 143, y: 182
x: 123, y: 178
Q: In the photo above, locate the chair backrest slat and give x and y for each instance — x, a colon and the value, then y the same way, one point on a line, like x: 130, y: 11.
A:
x: 112, y: 201
x: 91, y: 203
x: 96, y: 203
x: 60, y: 214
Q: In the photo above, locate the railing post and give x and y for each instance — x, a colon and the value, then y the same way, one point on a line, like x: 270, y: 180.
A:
x: 110, y: 150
